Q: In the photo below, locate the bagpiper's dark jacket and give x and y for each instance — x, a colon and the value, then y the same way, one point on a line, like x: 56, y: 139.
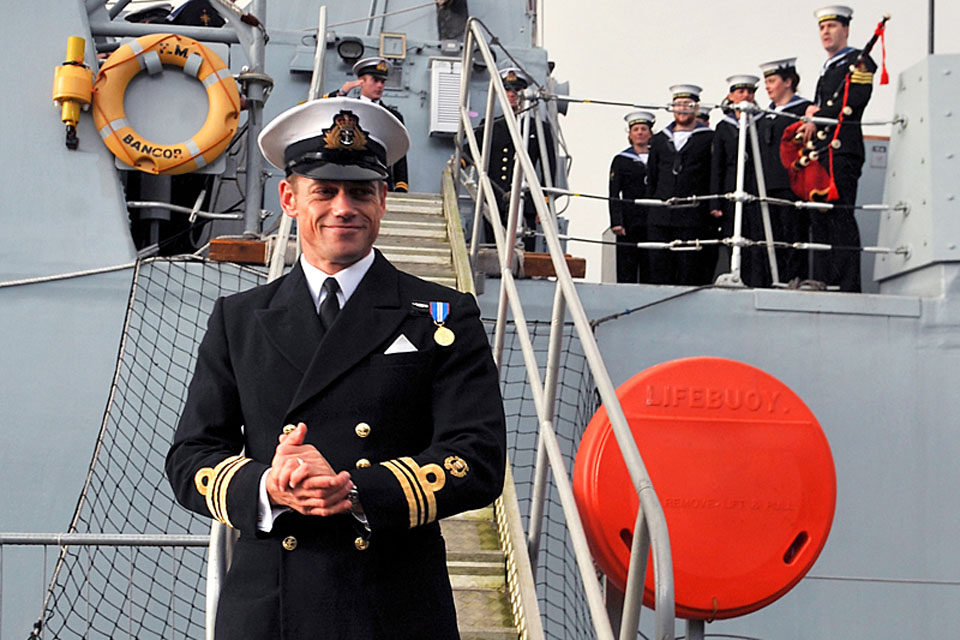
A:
x: 831, y: 83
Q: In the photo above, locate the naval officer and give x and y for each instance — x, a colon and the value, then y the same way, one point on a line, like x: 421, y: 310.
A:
x: 337, y: 413
x: 503, y: 156
x: 839, y: 227
x: 372, y: 74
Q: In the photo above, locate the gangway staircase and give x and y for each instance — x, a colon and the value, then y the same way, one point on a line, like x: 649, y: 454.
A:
x: 414, y: 237
x: 420, y: 237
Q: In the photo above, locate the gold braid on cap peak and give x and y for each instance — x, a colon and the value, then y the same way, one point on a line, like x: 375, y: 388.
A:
x: 213, y: 483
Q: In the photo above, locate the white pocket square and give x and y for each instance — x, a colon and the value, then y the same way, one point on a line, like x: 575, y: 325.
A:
x: 401, y: 345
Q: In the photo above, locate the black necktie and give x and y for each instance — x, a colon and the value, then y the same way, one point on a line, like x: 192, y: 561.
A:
x: 330, y: 306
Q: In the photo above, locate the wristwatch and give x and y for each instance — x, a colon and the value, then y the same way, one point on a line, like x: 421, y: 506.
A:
x: 357, y: 509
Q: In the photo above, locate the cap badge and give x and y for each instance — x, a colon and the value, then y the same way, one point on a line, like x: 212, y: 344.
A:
x: 382, y: 66
x: 511, y: 77
x: 345, y: 133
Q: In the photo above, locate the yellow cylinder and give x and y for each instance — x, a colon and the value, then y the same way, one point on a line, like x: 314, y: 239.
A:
x: 75, y: 47
x: 72, y: 82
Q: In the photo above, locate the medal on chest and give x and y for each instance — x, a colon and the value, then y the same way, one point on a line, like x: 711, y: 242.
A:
x: 439, y: 312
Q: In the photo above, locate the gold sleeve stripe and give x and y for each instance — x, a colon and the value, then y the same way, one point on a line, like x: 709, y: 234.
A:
x: 410, y: 470
x: 214, y: 483
x: 861, y: 77
x: 402, y: 185
x: 427, y: 486
x: 404, y: 481
x: 224, y: 484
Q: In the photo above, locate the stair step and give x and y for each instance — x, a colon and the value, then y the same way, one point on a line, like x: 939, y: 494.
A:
x: 447, y: 282
x: 415, y: 208
x: 415, y: 257
x: 413, y: 231
x: 478, y: 581
x: 484, y: 615
x: 467, y: 568
x: 422, y: 248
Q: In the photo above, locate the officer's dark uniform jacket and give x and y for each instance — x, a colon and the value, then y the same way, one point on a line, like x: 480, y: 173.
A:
x: 628, y: 178
x: 861, y: 88
x: 679, y: 173
x: 421, y: 433
x: 503, y: 156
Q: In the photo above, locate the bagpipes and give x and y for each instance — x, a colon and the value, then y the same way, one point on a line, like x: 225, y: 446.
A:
x: 808, y: 177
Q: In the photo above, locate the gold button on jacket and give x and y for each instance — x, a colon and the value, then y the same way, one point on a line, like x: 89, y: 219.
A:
x: 363, y: 463
x: 361, y: 544
x: 289, y: 543
x: 362, y: 429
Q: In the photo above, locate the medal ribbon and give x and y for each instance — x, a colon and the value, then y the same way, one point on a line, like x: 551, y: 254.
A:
x: 439, y: 311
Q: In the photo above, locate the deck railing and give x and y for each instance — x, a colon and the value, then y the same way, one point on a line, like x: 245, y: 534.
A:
x: 650, y: 527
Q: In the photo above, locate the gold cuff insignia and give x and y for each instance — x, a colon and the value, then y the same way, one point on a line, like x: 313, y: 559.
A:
x: 419, y: 484
x: 212, y: 483
x: 861, y: 77
x: 457, y: 466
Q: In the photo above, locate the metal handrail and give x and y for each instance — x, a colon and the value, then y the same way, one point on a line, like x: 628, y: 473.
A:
x: 650, y: 528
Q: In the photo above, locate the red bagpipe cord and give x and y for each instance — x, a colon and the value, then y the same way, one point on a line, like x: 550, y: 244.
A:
x: 833, y: 194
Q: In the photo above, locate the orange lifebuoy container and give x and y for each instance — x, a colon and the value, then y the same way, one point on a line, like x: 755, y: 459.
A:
x: 151, y: 52
x: 742, y: 469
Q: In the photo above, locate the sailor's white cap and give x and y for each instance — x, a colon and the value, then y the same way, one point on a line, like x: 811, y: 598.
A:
x: 514, y: 78
x: 838, y: 12
x: 374, y: 66
x: 691, y: 91
x: 640, y: 117
x: 743, y: 81
x: 335, y: 139
x: 776, y: 66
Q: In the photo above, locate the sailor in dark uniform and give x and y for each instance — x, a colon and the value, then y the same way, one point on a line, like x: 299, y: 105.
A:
x: 679, y: 165
x: 839, y: 226
x: 628, y: 177
x: 789, y: 224
x: 338, y: 413
x: 371, y: 79
x: 723, y: 179
x: 502, y: 156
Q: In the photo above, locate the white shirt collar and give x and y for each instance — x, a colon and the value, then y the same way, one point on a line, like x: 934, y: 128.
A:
x: 348, y: 279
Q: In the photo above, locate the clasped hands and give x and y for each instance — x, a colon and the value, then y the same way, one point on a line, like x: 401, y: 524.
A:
x: 302, y: 479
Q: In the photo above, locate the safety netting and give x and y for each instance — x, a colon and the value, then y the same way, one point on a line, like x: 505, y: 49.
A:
x: 144, y: 592
x: 100, y: 591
